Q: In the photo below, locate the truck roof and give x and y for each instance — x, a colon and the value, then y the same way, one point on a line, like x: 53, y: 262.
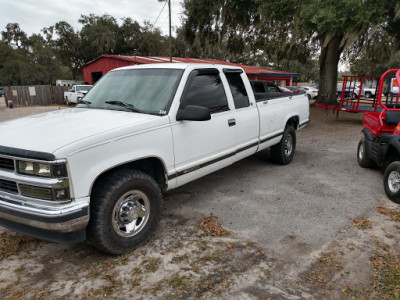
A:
x: 176, y: 66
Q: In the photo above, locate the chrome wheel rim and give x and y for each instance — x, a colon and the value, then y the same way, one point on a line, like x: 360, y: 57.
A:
x: 288, y: 145
x: 131, y: 213
x: 361, y: 151
x: 394, y: 181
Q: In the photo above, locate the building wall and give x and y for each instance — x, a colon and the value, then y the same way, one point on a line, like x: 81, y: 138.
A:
x: 103, y: 65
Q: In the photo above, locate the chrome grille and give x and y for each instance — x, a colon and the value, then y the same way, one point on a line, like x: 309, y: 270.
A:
x: 6, y: 164
x: 8, y: 186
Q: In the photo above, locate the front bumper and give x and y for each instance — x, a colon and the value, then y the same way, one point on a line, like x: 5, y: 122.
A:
x: 64, y: 224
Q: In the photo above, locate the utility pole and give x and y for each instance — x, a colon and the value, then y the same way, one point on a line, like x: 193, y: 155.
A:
x: 170, y: 29
x: 170, y: 38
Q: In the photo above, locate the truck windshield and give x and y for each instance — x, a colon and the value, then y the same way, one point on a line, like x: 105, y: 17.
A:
x: 80, y: 88
x: 147, y: 90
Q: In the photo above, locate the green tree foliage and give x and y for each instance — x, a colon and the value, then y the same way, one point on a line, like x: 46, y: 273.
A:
x: 287, y: 29
x: 27, y: 60
x: 14, y: 35
x: 60, y: 51
x: 219, y: 29
x: 381, y: 49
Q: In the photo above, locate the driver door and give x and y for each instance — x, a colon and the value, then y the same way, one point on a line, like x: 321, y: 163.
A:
x: 202, y: 147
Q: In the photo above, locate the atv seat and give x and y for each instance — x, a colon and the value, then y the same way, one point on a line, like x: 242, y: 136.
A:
x: 392, y: 117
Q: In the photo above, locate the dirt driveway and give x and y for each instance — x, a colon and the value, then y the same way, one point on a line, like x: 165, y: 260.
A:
x: 320, y: 227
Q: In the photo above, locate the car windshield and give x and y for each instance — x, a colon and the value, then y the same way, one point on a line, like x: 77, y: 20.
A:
x: 80, y: 88
x: 146, y: 90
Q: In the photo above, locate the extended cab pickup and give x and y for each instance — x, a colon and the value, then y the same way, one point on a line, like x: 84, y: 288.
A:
x: 97, y: 171
x: 76, y: 93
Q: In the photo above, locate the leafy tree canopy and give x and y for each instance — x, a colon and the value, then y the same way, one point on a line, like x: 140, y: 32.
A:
x: 289, y: 29
x: 60, y: 51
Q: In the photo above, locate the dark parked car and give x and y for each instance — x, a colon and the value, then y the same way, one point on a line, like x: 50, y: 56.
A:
x: 1, y: 92
x: 296, y: 89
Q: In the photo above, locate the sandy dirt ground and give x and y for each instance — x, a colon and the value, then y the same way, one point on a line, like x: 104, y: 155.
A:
x: 319, y: 228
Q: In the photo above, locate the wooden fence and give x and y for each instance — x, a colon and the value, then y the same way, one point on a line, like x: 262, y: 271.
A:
x: 34, y: 95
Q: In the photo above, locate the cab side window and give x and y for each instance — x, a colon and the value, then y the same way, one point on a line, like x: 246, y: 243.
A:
x: 238, y: 90
x: 258, y: 87
x: 205, y: 89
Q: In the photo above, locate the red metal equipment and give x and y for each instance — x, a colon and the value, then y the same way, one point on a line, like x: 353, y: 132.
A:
x: 380, y: 145
x: 375, y: 120
x: 351, y: 97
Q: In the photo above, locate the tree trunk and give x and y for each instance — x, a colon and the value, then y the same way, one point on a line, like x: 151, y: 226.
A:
x: 328, y: 69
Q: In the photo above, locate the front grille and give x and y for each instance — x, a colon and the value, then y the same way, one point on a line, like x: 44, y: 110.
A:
x: 8, y: 186
x: 6, y: 164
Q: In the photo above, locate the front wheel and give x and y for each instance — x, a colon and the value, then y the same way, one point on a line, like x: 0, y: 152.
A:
x: 391, y: 181
x: 125, y: 210
x: 363, y: 159
x: 283, y: 152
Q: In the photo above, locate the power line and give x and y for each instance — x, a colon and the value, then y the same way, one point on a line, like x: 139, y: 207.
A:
x: 152, y: 26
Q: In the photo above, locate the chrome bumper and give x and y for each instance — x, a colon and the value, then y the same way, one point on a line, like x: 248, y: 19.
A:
x: 64, y: 218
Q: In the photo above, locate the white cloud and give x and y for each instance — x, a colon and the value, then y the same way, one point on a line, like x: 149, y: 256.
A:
x: 33, y: 15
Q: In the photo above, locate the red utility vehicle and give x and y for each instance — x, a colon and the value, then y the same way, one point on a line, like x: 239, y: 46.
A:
x: 380, y: 145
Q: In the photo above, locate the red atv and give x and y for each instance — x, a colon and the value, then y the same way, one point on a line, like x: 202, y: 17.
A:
x: 380, y: 145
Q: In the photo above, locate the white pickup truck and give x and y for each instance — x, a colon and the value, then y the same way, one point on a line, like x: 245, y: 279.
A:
x: 97, y: 171
x: 76, y: 93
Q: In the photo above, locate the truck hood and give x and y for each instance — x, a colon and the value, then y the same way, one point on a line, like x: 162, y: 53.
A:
x: 51, y: 131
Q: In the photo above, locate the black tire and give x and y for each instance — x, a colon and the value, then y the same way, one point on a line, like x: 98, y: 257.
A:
x: 368, y: 94
x: 309, y: 96
x: 363, y: 160
x: 283, y: 152
x: 67, y: 101
x: 391, y: 181
x: 126, y: 197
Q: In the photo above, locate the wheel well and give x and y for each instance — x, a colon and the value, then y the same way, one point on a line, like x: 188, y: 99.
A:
x: 151, y: 166
x: 294, y: 121
x: 391, y: 155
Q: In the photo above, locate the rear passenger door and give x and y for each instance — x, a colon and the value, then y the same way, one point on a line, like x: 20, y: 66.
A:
x: 246, y: 114
x: 202, y: 147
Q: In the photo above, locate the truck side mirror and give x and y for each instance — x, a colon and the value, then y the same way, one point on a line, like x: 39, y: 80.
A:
x: 193, y: 113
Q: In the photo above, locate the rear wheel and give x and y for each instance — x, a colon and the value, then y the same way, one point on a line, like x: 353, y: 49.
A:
x: 66, y: 101
x: 391, y: 181
x: 283, y: 152
x: 368, y: 94
x: 362, y: 157
x: 125, y: 210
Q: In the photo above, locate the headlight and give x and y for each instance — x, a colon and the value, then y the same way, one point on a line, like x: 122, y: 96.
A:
x: 56, y: 194
x: 42, y: 169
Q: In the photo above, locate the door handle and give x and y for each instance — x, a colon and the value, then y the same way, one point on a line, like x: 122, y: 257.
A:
x: 265, y: 102
x: 231, y: 122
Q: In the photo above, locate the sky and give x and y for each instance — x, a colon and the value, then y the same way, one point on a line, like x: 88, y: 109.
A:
x: 33, y: 15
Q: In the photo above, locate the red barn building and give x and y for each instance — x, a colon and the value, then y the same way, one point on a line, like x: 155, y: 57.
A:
x: 94, y: 70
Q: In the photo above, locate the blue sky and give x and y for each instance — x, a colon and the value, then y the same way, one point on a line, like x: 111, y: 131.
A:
x: 33, y: 15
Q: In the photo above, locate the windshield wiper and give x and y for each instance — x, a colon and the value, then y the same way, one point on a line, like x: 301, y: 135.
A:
x: 88, y: 103
x: 126, y: 105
